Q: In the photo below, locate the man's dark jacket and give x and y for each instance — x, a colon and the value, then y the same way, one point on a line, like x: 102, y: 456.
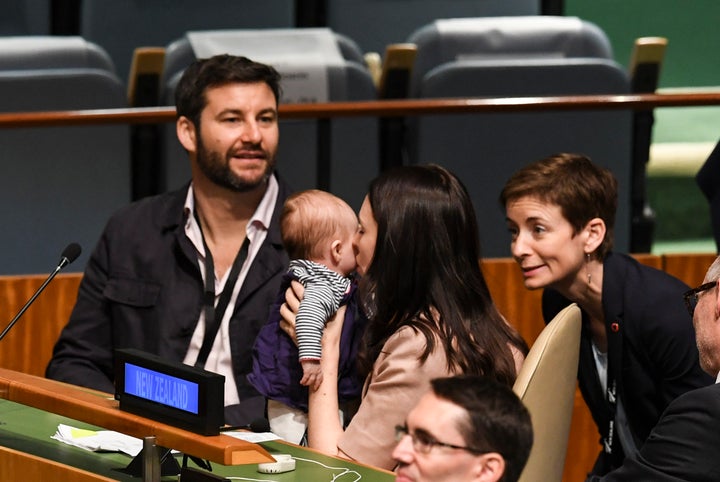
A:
x: 682, y: 447
x: 142, y: 288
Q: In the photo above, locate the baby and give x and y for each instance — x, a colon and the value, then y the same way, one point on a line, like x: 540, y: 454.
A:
x: 317, y: 232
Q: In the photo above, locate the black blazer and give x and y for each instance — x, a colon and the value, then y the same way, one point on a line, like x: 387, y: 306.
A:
x: 683, y: 446
x: 708, y: 180
x: 142, y: 288
x: 651, y: 348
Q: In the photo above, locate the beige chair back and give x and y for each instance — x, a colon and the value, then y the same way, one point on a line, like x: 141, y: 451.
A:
x: 546, y: 384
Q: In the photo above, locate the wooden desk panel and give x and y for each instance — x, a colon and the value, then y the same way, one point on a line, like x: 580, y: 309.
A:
x: 690, y: 268
x: 28, y: 345
x: 13, y: 462
x: 519, y: 306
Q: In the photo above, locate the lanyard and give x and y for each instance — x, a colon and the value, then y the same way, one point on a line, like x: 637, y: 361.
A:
x: 213, y: 314
x: 612, y: 408
x: 614, y: 361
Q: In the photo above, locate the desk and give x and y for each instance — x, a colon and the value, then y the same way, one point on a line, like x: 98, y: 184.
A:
x: 102, y: 410
x: 26, y: 431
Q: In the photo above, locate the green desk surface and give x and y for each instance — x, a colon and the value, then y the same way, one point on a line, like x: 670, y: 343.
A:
x: 29, y: 430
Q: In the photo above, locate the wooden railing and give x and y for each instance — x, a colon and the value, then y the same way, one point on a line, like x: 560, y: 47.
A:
x: 28, y: 347
x: 380, y: 108
x: 322, y: 113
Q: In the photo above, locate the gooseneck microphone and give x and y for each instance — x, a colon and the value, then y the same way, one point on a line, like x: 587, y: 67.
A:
x: 69, y: 254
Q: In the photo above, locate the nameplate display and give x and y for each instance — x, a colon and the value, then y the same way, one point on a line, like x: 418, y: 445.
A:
x: 170, y: 392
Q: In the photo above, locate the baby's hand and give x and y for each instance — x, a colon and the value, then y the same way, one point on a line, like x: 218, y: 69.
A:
x: 312, y: 374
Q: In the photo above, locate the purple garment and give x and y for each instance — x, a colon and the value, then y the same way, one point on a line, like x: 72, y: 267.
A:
x: 276, y: 371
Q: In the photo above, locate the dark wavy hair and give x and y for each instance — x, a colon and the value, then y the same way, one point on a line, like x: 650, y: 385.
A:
x: 217, y: 71
x: 425, y: 273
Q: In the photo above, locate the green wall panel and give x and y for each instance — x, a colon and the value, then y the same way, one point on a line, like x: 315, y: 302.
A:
x: 692, y: 28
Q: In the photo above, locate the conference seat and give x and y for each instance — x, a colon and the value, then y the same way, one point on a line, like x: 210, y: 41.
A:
x: 345, y: 166
x: 546, y: 385
x: 502, y: 38
x: 59, y: 184
x: 517, y: 57
x: 45, y: 52
x: 375, y: 24
x: 179, y: 54
x: 122, y: 26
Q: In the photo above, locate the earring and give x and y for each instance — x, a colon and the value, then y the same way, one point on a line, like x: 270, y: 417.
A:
x: 587, y: 269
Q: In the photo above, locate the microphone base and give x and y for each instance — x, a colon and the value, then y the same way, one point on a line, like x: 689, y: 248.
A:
x: 168, y: 465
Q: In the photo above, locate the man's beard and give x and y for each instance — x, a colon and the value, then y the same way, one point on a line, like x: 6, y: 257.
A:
x: 217, y: 169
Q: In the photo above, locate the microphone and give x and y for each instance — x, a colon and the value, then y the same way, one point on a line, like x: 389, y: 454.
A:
x: 69, y: 254
x: 258, y: 425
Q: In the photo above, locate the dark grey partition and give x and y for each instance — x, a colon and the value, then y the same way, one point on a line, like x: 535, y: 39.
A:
x: 25, y: 17
x: 58, y: 184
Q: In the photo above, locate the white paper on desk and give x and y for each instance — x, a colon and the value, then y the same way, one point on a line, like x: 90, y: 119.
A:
x: 253, y: 437
x: 98, y: 441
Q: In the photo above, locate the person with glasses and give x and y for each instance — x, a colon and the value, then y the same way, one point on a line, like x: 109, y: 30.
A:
x: 465, y: 428
x: 637, y: 349
x: 684, y: 443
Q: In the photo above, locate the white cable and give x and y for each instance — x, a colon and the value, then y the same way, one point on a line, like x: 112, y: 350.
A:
x: 345, y: 471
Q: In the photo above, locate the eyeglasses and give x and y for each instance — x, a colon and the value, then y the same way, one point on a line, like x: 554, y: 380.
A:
x: 423, y: 442
x: 691, y: 297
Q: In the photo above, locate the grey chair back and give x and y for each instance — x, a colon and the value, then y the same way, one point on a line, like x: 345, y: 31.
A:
x: 374, y: 24
x: 58, y: 184
x: 46, y: 52
x: 520, y: 37
x: 121, y: 26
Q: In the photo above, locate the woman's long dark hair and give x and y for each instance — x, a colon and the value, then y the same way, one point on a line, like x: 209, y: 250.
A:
x: 425, y: 273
